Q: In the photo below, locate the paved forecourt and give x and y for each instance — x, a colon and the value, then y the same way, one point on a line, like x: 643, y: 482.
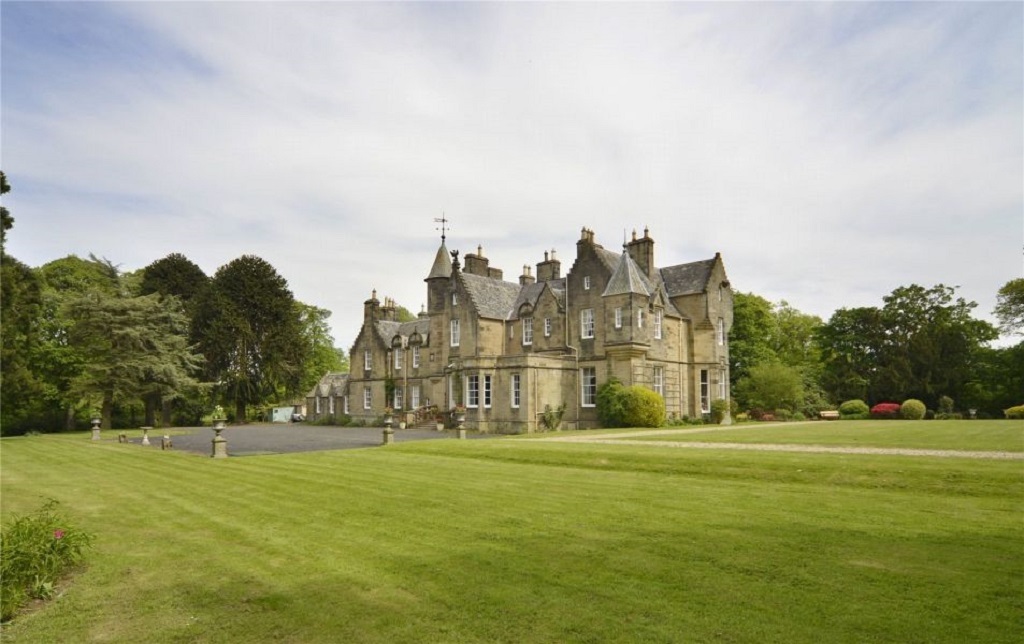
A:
x: 281, y: 438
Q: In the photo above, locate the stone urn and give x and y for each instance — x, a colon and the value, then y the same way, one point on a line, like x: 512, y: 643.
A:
x: 459, y: 415
x: 96, y: 428
x: 220, y: 444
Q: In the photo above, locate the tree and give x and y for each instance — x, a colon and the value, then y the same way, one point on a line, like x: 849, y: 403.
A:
x: 750, y: 339
x: 794, y: 337
x: 55, y: 359
x: 851, y: 345
x: 1010, y: 307
x: 136, y: 346
x: 320, y: 354
x: 921, y: 344
x: 174, y: 275
x: 771, y: 386
x: 248, y: 328
x: 20, y: 307
x: 6, y: 220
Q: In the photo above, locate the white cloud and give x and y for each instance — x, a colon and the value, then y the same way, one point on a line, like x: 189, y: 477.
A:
x: 831, y: 152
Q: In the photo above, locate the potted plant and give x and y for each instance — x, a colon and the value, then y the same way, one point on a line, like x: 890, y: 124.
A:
x: 459, y: 414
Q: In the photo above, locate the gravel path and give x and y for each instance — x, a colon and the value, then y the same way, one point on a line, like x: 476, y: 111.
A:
x: 624, y: 439
x: 256, y: 439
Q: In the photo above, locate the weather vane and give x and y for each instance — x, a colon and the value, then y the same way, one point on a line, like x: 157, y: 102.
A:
x: 441, y: 220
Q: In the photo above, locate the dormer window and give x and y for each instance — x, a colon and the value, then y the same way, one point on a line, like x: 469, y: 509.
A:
x: 527, y: 331
x: 657, y: 324
x: 586, y: 282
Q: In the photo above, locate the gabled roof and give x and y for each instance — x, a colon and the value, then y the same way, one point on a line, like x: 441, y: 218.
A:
x: 686, y: 279
x: 492, y: 298
x: 388, y: 329
x: 528, y: 294
x: 628, y: 278
x: 608, y: 257
x: 334, y: 382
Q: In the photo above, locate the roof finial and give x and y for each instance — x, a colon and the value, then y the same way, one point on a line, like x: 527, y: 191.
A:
x: 441, y: 220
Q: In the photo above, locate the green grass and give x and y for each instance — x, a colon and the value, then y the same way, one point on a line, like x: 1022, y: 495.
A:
x: 524, y: 541
x: 976, y: 435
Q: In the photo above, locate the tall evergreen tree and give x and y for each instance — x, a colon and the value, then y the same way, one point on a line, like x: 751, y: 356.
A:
x: 135, y: 346
x: 248, y: 328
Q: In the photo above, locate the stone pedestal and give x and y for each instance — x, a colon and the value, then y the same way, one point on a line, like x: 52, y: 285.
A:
x: 145, y: 435
x: 95, y: 429
x: 220, y: 444
x: 462, y: 434
x: 389, y: 436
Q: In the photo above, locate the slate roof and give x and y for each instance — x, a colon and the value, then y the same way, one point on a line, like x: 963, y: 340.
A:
x: 334, y: 382
x: 628, y: 278
x: 608, y: 257
x: 388, y: 329
x: 528, y: 294
x: 492, y: 298
x: 442, y: 263
x: 686, y: 279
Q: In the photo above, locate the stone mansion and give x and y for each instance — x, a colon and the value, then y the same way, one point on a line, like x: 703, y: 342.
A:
x: 507, y: 350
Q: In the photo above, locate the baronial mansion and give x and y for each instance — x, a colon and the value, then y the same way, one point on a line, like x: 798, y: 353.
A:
x: 508, y: 350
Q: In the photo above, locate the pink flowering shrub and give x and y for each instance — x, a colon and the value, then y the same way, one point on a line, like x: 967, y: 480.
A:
x: 886, y: 410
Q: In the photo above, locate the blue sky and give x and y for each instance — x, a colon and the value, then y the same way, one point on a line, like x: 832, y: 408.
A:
x: 830, y: 152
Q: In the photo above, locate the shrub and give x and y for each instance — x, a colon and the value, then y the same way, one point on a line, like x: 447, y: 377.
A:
x: 782, y: 414
x: 551, y: 419
x: 945, y: 405
x: 642, y: 407
x: 719, y: 410
x: 798, y: 415
x: 1015, y: 412
x: 854, y: 410
x: 609, y: 403
x: 912, y: 409
x: 35, y: 551
x: 886, y: 410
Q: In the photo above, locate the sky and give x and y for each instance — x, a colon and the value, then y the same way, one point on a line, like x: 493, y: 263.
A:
x: 830, y: 152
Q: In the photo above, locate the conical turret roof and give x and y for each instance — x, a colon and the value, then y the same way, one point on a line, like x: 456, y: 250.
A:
x: 442, y: 264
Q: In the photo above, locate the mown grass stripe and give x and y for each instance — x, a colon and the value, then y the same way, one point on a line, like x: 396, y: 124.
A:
x: 522, y: 541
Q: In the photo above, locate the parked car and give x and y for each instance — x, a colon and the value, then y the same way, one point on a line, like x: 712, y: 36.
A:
x: 298, y: 418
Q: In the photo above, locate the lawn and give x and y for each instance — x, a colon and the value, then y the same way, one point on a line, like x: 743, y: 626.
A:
x: 524, y: 541
x: 976, y: 435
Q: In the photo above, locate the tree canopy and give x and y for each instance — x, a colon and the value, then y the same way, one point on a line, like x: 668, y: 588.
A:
x: 251, y: 334
x: 921, y: 344
x: 1010, y: 307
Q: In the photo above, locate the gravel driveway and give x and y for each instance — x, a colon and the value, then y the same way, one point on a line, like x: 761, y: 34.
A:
x: 249, y: 440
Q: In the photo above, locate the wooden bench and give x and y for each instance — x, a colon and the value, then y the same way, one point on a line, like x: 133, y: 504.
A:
x: 829, y: 414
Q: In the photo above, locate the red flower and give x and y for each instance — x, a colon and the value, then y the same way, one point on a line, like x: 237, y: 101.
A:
x: 58, y: 534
